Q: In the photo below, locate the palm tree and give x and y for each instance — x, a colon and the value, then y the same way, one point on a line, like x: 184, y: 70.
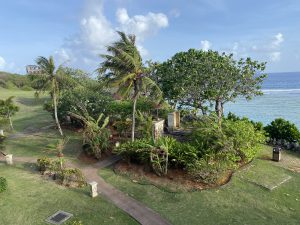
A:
x: 125, y: 68
x: 8, y: 109
x: 47, y: 79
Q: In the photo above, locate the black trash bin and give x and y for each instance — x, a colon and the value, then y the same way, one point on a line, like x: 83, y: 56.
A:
x: 276, y: 154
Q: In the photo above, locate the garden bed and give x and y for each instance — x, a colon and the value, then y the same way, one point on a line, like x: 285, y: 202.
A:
x: 175, y: 180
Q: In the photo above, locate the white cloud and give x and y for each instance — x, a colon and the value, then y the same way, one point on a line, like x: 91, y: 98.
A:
x: 63, y: 56
x: 142, y: 26
x: 2, y: 63
x: 278, y: 39
x: 275, y: 56
x: 205, y: 45
x: 97, y: 32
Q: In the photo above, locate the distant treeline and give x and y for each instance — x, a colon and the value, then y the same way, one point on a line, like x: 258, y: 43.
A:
x: 15, y: 81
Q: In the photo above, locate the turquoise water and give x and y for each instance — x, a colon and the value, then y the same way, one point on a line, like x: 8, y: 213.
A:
x: 281, y: 99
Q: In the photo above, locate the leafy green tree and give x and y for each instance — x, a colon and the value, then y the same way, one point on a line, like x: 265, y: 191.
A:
x: 183, y: 81
x: 283, y: 129
x: 8, y: 109
x: 125, y: 69
x: 47, y: 79
x: 199, y: 79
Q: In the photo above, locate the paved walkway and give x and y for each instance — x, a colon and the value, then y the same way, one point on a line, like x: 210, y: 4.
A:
x: 135, y: 209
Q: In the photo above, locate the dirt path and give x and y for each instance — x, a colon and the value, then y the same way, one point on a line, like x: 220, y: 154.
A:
x: 135, y: 209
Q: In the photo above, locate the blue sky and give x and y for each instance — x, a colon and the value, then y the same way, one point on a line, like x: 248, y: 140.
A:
x: 76, y: 31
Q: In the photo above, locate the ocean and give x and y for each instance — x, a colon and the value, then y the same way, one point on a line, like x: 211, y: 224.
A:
x: 281, y: 99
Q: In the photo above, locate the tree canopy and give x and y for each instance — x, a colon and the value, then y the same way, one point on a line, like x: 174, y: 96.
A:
x: 199, y: 79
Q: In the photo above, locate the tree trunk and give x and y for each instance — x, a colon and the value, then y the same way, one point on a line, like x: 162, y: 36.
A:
x: 55, y: 110
x: 219, y: 110
x: 10, y: 121
x: 133, y: 117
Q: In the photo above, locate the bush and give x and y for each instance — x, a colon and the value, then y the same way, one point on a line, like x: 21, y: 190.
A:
x: 183, y: 154
x: 160, y: 154
x: 3, y: 184
x: 137, y: 151
x: 239, y: 139
x: 283, y: 129
x: 72, y: 175
x: 43, y: 164
x: 209, y: 169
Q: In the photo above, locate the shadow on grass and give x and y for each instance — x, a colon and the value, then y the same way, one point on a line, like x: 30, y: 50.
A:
x: 32, y: 101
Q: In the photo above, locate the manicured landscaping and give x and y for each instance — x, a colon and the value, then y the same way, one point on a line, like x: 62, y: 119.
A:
x: 241, y: 201
x: 184, y: 161
x: 30, y: 199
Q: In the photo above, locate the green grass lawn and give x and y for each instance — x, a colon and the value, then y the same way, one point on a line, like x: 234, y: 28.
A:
x: 31, y: 112
x: 30, y: 117
x: 241, y: 201
x: 246, y: 199
x: 30, y: 199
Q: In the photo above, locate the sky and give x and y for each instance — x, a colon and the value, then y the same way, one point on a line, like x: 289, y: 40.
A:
x: 75, y: 32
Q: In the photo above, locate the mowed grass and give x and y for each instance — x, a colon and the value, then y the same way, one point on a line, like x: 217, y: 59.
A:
x: 31, y: 113
x: 32, y: 117
x: 238, y: 202
x: 30, y: 199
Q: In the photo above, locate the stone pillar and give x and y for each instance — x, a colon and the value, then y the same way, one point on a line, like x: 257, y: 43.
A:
x: 1, y: 133
x: 93, y: 189
x: 68, y: 119
x: 158, y: 129
x: 173, y: 120
x: 9, y: 159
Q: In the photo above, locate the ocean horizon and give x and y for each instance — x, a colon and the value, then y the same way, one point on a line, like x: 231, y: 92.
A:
x: 281, y: 99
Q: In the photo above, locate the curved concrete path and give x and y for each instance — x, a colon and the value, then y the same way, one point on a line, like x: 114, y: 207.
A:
x: 135, y: 209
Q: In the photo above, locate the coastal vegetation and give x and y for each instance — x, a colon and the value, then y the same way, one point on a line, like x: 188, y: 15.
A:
x: 114, y: 114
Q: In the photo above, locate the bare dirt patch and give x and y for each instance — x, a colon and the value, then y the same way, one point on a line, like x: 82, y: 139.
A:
x: 176, y: 180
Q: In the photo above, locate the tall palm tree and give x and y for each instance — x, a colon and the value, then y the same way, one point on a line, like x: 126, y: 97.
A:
x: 47, y: 79
x: 124, y: 66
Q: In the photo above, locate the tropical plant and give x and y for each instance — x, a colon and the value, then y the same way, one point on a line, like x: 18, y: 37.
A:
x: 8, y: 109
x: 125, y: 69
x: 95, y: 137
x: 154, y: 153
x: 43, y: 164
x: 47, y: 79
x: 238, y: 141
x: 283, y: 129
x: 144, y: 124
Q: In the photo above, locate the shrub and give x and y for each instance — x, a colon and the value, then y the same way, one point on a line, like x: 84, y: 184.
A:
x: 209, y: 169
x: 3, y: 184
x: 137, y: 151
x: 56, y: 166
x: 43, y: 164
x: 283, y: 129
x: 238, y: 139
x: 183, y: 155
x: 72, y: 175
x: 123, y: 127
x: 154, y: 153
x: 245, y: 139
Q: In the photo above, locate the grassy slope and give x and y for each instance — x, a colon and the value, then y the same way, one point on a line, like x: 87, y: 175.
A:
x: 30, y: 199
x: 32, y: 116
x: 238, y: 202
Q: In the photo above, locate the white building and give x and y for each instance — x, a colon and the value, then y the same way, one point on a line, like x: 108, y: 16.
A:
x: 33, y: 69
